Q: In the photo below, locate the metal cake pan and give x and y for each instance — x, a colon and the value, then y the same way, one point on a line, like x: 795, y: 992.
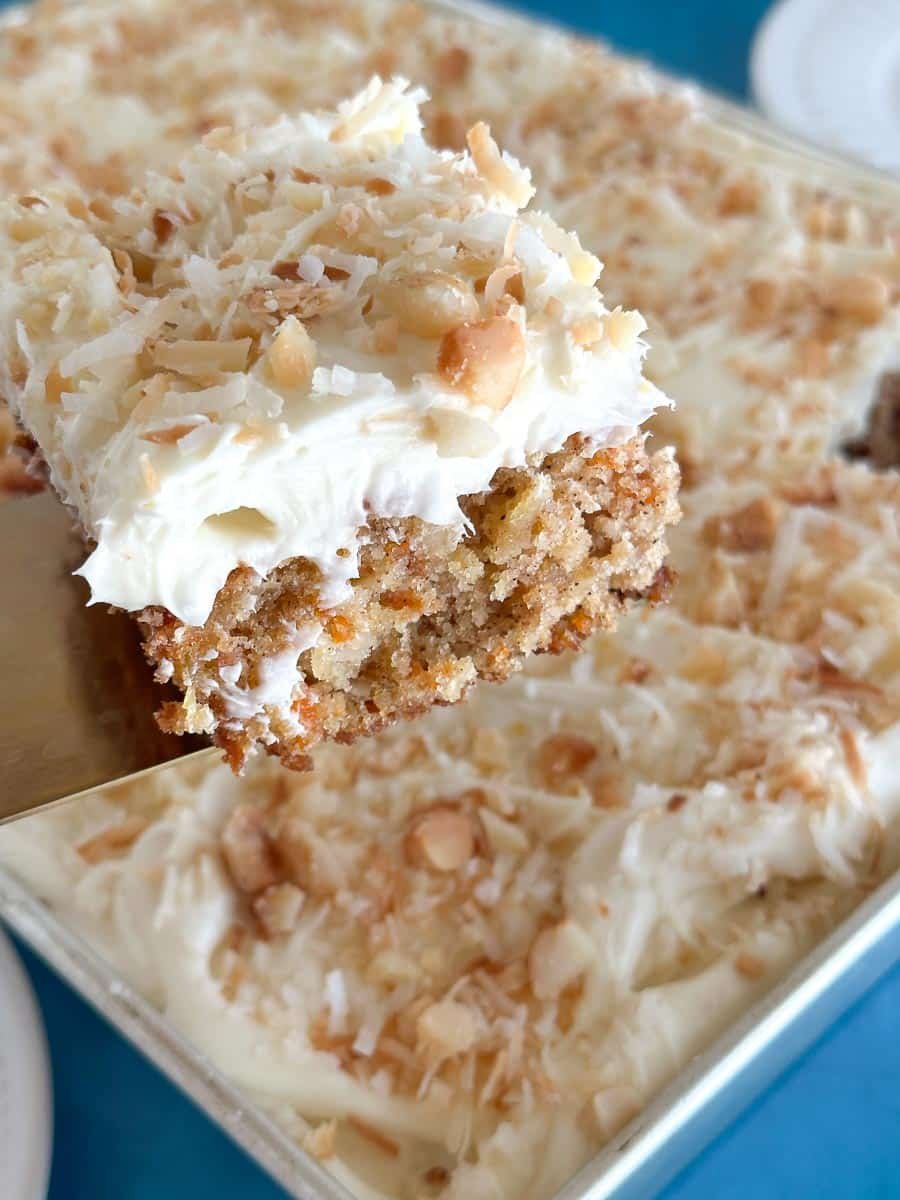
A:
x: 705, y: 1096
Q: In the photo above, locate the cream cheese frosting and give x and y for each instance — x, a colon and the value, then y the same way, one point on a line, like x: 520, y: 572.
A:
x: 743, y: 792
x: 629, y: 889
x: 244, y: 362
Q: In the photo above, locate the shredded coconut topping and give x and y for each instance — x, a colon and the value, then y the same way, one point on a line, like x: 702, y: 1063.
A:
x: 512, y: 917
x: 544, y: 904
x: 208, y: 368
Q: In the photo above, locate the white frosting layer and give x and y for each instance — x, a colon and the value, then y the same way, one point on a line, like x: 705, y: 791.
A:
x: 183, y: 465
x: 786, y: 782
x: 680, y: 903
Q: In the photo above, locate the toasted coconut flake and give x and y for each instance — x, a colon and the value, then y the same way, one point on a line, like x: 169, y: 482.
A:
x: 125, y: 267
x: 149, y: 475
x: 305, y: 300
x: 380, y: 187
x: 170, y: 435
x: 502, y: 281
x: 741, y: 197
x: 453, y: 65
x: 55, y: 384
x: 507, y: 178
x: 765, y: 298
x: 164, y: 225
x: 374, y: 1136
x: 227, y: 139
x: 855, y: 762
x: 490, y: 750
x: 624, y: 327
x: 202, y: 358
x: 114, y: 840
x: 307, y: 859
x: 722, y: 601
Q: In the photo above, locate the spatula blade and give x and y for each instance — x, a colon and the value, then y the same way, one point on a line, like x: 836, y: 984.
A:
x: 77, y: 697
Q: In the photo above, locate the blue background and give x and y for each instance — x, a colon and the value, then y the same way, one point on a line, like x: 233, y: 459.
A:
x: 829, y: 1130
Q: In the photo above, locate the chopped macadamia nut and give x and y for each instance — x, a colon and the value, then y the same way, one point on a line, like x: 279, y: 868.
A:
x: 307, y: 859
x: 249, y: 853
x: 292, y: 355
x: 443, y: 838
x: 862, y: 297
x: 321, y: 1141
x: 751, y: 966
x: 564, y: 755
x: 446, y: 1029
x: 430, y: 303
x: 277, y: 908
x: 560, y: 955
x: 751, y: 527
x: 485, y: 360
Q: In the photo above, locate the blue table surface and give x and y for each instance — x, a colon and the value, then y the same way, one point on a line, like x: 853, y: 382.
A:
x: 829, y: 1129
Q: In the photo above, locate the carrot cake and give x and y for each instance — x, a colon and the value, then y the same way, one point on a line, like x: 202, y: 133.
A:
x: 457, y: 960
x: 770, y: 289
x: 347, y: 425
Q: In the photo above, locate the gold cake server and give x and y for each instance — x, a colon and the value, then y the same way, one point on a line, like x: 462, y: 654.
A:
x: 77, y: 697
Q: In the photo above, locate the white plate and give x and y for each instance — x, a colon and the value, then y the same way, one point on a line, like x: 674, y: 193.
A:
x: 830, y: 70
x: 25, y: 1097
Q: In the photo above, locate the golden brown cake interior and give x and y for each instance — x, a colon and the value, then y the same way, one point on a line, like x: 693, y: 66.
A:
x: 555, y: 550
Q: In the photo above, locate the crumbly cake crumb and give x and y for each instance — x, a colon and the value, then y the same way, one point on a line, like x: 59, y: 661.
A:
x: 556, y: 550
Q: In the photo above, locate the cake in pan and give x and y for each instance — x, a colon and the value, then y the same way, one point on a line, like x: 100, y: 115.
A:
x: 455, y: 960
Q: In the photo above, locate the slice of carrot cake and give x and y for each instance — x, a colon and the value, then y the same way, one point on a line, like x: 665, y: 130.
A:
x: 345, y: 424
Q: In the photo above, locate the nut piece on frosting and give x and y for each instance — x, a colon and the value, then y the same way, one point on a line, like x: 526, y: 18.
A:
x: 346, y: 425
